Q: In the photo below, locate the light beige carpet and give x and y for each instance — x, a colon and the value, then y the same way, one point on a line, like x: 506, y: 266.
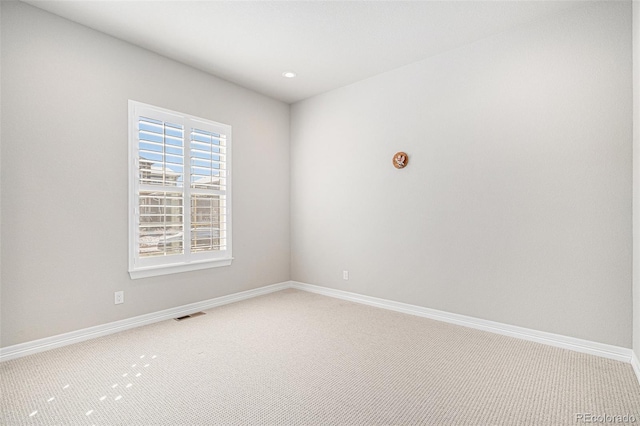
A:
x: 296, y: 358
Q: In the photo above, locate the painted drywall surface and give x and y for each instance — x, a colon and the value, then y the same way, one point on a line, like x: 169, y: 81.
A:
x: 0, y: 177
x: 64, y: 177
x: 636, y: 176
x: 516, y: 203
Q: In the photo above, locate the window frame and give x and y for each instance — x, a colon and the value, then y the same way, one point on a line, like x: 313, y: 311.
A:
x: 187, y: 261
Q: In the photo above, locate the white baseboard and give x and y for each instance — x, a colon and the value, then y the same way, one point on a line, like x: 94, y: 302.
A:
x: 584, y: 346
x: 571, y: 343
x: 635, y: 364
x: 40, y: 345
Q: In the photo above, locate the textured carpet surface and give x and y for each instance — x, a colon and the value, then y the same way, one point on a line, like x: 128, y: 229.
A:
x: 296, y: 358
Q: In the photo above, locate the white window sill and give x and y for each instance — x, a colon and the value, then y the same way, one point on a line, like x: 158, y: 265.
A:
x: 154, y: 271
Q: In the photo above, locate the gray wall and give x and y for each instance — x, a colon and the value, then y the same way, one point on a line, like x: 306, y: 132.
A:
x: 636, y: 177
x: 0, y: 179
x: 516, y: 204
x: 64, y: 177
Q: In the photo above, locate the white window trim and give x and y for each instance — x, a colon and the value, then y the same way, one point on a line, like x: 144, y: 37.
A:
x: 193, y: 262
x: 154, y: 271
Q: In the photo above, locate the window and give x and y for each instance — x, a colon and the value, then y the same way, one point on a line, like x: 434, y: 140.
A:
x: 179, y: 192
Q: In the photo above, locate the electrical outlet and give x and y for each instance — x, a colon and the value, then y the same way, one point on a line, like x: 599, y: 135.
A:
x: 345, y: 275
x: 119, y: 297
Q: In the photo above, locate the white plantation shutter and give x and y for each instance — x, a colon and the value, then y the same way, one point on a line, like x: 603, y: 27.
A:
x: 160, y: 196
x: 179, y: 192
x: 208, y: 156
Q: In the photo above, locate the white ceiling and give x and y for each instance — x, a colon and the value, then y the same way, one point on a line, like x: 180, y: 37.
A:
x: 329, y: 44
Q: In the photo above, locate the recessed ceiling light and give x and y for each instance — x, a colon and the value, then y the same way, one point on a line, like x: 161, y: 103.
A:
x: 289, y: 74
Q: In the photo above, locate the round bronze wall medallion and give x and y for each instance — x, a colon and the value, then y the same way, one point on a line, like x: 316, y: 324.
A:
x: 400, y: 160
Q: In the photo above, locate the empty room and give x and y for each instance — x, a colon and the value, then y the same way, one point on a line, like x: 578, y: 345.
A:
x: 319, y: 212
